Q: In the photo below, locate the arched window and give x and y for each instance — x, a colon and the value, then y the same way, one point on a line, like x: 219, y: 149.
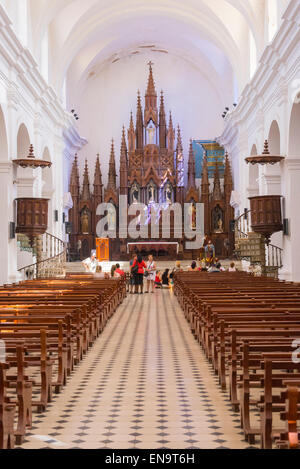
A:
x: 272, y: 19
x: 253, y: 54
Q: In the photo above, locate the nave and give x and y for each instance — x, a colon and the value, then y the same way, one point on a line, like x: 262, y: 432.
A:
x: 145, y: 383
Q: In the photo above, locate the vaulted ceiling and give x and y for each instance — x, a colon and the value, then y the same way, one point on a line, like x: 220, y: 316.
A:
x: 212, y: 34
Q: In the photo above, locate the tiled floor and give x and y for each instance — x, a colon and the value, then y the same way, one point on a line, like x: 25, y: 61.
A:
x: 144, y: 384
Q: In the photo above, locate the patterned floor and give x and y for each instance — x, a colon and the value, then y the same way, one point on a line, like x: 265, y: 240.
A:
x: 144, y: 384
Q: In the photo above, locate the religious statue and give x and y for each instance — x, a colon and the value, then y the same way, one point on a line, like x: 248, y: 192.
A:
x: 210, y: 253
x: 192, y: 215
x: 151, y: 134
x: 217, y: 219
x: 135, y: 194
x: 85, y: 222
x: 169, y: 194
x: 151, y: 194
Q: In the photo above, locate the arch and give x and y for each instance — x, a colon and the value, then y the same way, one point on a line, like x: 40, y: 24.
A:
x: 3, y: 138
x: 294, y: 133
x: 48, y: 189
x: 201, y: 22
x: 253, y: 185
x: 23, y: 141
x: 274, y: 138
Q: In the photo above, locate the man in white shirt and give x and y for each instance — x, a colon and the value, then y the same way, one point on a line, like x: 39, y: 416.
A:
x: 90, y: 264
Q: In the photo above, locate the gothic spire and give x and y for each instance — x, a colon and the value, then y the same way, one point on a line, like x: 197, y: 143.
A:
x: 139, y: 124
x: 151, y: 111
x: 171, y: 135
x: 123, y: 166
x: 151, y: 86
x: 205, y: 179
x: 191, y: 167
x: 179, y: 141
x: 217, y: 194
x: 74, y: 180
x: 86, y: 194
x: 228, y: 182
x: 162, y: 123
x: 123, y: 147
x: 112, y: 175
x: 131, y: 135
x: 98, y: 180
x: 179, y: 166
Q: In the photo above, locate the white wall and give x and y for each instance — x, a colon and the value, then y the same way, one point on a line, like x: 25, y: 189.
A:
x: 270, y: 97
x: 29, y: 104
x: 105, y: 103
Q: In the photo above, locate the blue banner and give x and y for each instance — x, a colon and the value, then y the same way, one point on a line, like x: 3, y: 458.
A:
x: 215, y: 154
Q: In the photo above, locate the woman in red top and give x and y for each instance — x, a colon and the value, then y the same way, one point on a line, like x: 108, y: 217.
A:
x: 139, y: 275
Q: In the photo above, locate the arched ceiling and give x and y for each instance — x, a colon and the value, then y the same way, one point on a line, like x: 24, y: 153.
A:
x: 84, y: 36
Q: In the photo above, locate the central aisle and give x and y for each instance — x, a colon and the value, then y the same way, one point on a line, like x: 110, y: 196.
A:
x: 144, y: 384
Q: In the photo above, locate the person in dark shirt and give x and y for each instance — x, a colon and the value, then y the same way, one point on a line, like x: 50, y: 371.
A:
x: 139, y: 275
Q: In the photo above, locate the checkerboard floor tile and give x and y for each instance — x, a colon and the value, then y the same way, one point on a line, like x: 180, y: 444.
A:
x: 144, y: 384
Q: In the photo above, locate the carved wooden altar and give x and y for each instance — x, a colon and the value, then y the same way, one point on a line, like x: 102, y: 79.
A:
x: 151, y: 172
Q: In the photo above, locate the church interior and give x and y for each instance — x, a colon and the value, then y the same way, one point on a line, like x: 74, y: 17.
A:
x: 150, y: 260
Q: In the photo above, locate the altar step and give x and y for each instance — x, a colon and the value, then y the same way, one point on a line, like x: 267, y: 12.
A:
x: 74, y: 267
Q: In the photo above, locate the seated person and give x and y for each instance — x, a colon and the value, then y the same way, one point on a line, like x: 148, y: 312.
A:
x: 90, y: 264
x: 119, y: 271
x: 178, y: 267
x: 194, y: 267
x: 232, y: 267
x: 214, y: 268
x: 99, y: 274
x: 158, y: 280
x: 165, y: 279
x: 113, y: 272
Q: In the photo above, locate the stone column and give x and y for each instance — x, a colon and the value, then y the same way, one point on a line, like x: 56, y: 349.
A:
x: 291, y: 243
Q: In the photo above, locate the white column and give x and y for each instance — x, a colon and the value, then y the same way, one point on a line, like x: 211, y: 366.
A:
x: 8, y: 251
x: 291, y: 251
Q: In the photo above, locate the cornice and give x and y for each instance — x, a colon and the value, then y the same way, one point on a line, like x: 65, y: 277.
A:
x: 274, y: 65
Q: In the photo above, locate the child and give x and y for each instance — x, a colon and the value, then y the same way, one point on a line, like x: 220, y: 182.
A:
x: 158, y: 280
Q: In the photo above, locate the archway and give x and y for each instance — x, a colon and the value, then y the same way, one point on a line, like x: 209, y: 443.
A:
x: 48, y: 189
x: 291, y: 193
x: 23, y: 142
x: 253, y: 186
x: 274, y: 138
x: 294, y: 136
x: 3, y: 138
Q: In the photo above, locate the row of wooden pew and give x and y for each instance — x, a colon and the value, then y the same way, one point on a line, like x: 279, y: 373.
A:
x: 249, y: 329
x: 46, y: 327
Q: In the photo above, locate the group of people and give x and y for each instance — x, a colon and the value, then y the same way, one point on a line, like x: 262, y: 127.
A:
x: 141, y: 272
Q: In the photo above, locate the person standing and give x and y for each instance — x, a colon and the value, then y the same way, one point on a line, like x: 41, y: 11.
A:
x: 139, y: 274
x: 90, y: 264
x: 132, y: 277
x: 151, y: 269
